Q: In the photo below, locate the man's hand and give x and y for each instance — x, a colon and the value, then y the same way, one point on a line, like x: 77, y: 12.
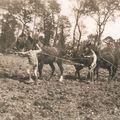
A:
x: 16, y: 53
x: 20, y: 53
x: 89, y: 56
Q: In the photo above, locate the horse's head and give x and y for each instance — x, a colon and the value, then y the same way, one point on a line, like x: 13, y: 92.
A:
x: 20, y: 43
x: 86, y: 50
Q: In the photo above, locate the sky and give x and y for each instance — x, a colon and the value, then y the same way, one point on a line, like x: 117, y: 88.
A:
x: 112, y: 28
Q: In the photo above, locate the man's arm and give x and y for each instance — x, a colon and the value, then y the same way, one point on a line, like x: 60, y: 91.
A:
x: 89, y: 56
x: 40, y: 50
x: 37, y: 51
x: 22, y: 53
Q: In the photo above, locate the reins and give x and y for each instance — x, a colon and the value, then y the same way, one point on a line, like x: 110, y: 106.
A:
x: 74, y: 63
x: 70, y: 61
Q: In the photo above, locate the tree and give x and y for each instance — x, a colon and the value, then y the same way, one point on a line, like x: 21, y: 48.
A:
x: 63, y: 31
x: 78, y: 11
x: 7, y: 37
x: 101, y: 11
x: 44, y: 14
x: 47, y: 12
x: 38, y: 8
x: 51, y: 20
x: 22, y: 11
x: 55, y: 10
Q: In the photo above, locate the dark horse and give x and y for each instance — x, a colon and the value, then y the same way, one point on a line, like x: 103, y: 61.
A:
x: 49, y: 56
x: 21, y: 42
x: 88, y: 58
x: 107, y: 59
x: 25, y: 43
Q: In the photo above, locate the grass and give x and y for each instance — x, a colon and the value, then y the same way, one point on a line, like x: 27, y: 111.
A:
x: 52, y: 100
x: 13, y: 66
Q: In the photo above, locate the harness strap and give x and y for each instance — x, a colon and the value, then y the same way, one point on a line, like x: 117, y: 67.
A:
x: 108, y: 62
x: 74, y: 63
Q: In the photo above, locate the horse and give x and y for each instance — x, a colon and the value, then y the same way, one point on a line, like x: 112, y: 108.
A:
x: 105, y: 64
x: 49, y: 56
x: 21, y: 42
x: 25, y: 42
x: 88, y: 58
x: 107, y: 59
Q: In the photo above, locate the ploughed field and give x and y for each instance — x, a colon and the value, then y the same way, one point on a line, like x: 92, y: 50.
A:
x: 52, y: 100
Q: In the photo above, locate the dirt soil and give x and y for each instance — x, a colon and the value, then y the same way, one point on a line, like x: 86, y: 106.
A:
x: 52, y: 100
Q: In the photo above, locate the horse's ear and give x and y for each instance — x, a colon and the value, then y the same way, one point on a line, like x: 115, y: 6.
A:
x: 88, y: 43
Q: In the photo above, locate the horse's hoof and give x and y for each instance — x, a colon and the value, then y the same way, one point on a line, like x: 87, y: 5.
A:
x: 40, y: 77
x: 61, y: 79
x: 48, y: 79
x: 35, y: 83
x: 29, y: 81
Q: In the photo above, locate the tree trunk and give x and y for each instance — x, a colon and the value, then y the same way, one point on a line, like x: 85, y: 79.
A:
x: 77, y: 26
x: 56, y: 36
x: 78, y: 45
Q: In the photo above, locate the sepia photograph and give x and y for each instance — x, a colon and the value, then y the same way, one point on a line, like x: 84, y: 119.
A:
x: 59, y: 59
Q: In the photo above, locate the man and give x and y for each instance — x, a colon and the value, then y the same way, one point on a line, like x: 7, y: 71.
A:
x: 94, y: 62
x: 33, y: 61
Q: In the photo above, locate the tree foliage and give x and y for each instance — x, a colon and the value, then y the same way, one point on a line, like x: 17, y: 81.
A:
x: 41, y: 15
x: 101, y: 11
x: 46, y: 15
x: 7, y: 37
x: 64, y: 30
x: 22, y: 10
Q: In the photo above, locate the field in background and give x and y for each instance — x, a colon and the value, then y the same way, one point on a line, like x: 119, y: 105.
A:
x: 52, y: 100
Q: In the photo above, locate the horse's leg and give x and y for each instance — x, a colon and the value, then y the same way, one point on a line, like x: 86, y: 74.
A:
x: 92, y: 75
x: 88, y: 75
x: 77, y: 72
x: 96, y: 72
x: 110, y: 70
x: 53, y: 69
x: 59, y: 63
x: 40, y: 67
x: 114, y: 73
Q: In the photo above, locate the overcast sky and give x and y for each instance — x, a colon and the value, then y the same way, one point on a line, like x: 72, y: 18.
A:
x: 112, y: 28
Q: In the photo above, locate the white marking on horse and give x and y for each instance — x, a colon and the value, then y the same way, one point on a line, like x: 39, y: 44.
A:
x: 61, y: 78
